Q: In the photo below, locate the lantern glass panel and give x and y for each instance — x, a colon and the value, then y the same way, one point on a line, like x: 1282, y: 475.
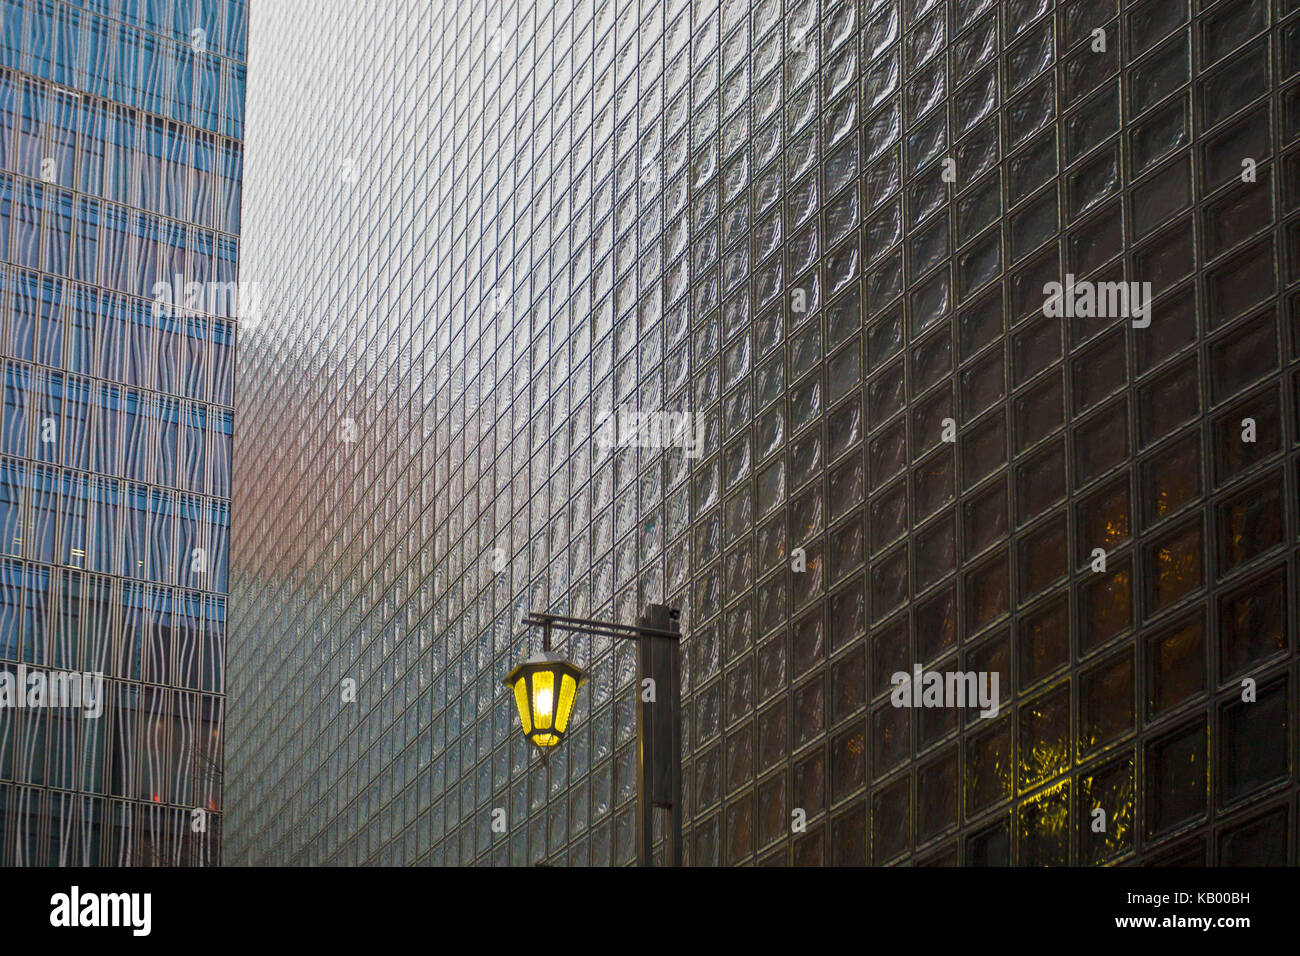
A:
x: 543, y: 698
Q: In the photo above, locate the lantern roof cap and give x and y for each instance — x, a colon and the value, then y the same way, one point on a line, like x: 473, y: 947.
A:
x: 546, y: 657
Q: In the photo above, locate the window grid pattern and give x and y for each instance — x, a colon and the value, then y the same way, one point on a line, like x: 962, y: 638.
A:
x: 534, y: 215
x: 115, y: 428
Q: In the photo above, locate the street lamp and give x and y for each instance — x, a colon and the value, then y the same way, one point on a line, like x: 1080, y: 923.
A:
x: 546, y: 684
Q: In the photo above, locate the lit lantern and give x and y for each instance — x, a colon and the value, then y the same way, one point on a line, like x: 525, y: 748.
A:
x: 545, y: 688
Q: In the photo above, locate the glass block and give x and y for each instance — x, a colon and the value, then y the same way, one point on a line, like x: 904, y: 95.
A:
x: 809, y: 788
x: 1243, y: 356
x: 1161, y: 73
x: 985, y: 518
x: 849, y: 683
x: 1234, y: 83
x: 1237, y: 214
x: 809, y: 711
x: 1044, y: 749
x: 978, y: 208
x: 987, y: 591
x: 706, y: 842
x: 1178, y: 324
x: 1106, y: 703
x: 1032, y: 167
x: 1176, y: 779
x: 936, y: 788
x: 888, y: 515
x: 1043, y: 640
x: 889, y: 583
x: 1027, y: 284
x: 1043, y: 557
x: 1035, y: 348
x: 740, y: 829
x: 884, y: 339
x: 1249, y: 522
x: 935, y: 551
x: 1252, y: 624
x: 1185, y: 853
x: 891, y: 737
x: 1096, y: 241
x: 1172, y: 566
x: 848, y: 616
x: 886, y: 453
x: 810, y: 850
x: 989, y: 768
x: 990, y: 846
x: 1175, y: 664
x: 1166, y: 402
x: 809, y: 642
x: 740, y: 690
x: 890, y: 654
x: 982, y: 384
x: 1254, y: 742
x: 773, y: 817
x: 848, y: 762
x: 1258, y: 841
x: 935, y: 621
x: 1105, y: 604
x: 1171, y: 479
x: 1160, y: 134
x: 978, y: 152
x: 773, y: 737
x: 1164, y: 193
x: 983, y: 448
x: 891, y: 820
x: 974, y: 47
x: 1241, y: 282
x: 1099, y: 372
x: 974, y: 101
x: 885, y: 394
x: 848, y: 843
x: 1109, y: 788
x: 1043, y: 828
x: 1039, y: 411
x: 932, y: 483
x: 1152, y: 21
x: 1040, y: 482
x: 708, y: 778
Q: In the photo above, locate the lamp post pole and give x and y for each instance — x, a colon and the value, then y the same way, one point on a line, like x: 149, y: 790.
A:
x: 658, y: 716
x: 659, y: 733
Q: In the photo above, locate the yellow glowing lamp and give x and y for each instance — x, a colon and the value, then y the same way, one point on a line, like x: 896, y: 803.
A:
x: 545, y: 687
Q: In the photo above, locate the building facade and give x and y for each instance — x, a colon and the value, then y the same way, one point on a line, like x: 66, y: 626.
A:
x: 121, y: 125
x: 873, y: 249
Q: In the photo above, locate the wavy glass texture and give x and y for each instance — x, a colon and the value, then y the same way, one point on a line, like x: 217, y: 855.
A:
x: 120, y: 167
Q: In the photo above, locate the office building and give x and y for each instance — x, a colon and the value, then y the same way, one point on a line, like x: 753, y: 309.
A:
x: 121, y: 126
x: 988, y: 316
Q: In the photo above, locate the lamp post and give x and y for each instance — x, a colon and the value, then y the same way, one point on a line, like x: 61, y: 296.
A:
x: 545, y: 686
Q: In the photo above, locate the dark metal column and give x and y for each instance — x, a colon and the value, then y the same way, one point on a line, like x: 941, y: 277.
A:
x: 659, y: 734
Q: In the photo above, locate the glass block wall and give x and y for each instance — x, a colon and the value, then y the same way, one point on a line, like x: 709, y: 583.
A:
x: 120, y: 165
x: 826, y: 230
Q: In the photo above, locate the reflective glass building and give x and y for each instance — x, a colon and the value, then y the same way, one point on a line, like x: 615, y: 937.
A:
x: 827, y: 231
x: 120, y: 164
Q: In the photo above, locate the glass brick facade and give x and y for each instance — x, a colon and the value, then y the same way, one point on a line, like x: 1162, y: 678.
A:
x: 120, y: 165
x: 827, y: 230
